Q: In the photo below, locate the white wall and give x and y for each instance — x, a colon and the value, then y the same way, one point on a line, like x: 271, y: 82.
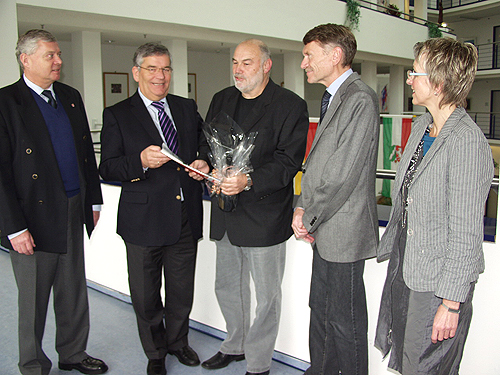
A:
x: 119, y: 59
x: 258, y: 18
x: 212, y: 75
x: 211, y: 69
x: 469, y: 29
x: 114, y: 59
x: 480, y: 94
x: 67, y: 59
x: 106, y: 265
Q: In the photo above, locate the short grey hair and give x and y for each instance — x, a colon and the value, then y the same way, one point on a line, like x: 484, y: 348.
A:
x: 28, y: 42
x: 451, y: 64
x: 264, y: 49
x: 150, y: 49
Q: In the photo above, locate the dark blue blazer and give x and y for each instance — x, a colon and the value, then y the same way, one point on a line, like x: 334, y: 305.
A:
x: 150, y: 206
x: 32, y: 193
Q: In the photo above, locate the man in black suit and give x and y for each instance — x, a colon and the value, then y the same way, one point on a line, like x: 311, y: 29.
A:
x: 160, y: 210
x: 48, y: 185
x: 251, y: 239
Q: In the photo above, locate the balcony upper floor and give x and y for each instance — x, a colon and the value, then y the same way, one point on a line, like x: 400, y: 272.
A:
x: 460, y: 10
x: 282, y: 24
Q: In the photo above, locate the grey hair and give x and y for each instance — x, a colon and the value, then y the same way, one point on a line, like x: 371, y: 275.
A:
x: 264, y: 49
x: 150, y: 49
x: 450, y: 64
x: 28, y: 42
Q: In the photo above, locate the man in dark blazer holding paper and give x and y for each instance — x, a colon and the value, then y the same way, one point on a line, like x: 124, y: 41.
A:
x: 251, y: 239
x: 160, y: 210
x: 48, y: 187
x: 336, y: 210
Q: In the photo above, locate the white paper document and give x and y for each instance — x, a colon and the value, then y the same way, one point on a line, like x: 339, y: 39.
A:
x: 167, y: 152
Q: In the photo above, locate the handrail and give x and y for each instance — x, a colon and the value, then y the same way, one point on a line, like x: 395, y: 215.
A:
x: 387, y: 174
x: 405, y: 16
x: 448, y: 4
x: 488, y: 56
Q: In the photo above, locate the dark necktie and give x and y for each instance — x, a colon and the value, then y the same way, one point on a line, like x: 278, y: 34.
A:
x: 167, y: 126
x: 324, y: 104
x: 48, y: 95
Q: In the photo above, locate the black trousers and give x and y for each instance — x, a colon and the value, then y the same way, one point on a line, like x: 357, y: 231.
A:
x: 338, y: 330
x: 163, y: 327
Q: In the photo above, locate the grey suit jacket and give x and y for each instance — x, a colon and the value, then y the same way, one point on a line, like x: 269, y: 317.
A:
x: 338, y: 186
x: 444, y: 246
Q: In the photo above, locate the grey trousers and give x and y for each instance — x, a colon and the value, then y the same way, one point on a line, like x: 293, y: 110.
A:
x: 36, y: 275
x: 420, y: 355
x: 232, y: 286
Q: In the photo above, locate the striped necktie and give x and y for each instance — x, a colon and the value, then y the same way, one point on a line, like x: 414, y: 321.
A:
x: 325, y: 101
x: 167, y: 127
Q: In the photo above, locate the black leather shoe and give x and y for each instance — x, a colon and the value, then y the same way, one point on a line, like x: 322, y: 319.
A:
x: 157, y: 367
x: 186, y: 355
x: 221, y: 360
x: 258, y: 373
x: 88, y: 365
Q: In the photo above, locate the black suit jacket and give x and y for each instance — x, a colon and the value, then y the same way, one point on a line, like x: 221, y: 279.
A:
x: 149, y: 212
x: 32, y: 193
x: 263, y: 215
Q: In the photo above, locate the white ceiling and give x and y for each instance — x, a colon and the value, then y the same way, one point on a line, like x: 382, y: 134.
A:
x: 134, y: 32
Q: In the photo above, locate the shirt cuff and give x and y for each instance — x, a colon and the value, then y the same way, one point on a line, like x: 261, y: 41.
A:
x: 14, y: 235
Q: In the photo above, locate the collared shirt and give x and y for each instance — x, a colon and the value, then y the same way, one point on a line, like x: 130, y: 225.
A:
x: 154, y: 113
x: 334, y: 87
x: 37, y: 89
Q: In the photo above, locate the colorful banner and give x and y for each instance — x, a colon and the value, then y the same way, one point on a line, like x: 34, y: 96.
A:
x: 313, y: 126
x: 396, y: 132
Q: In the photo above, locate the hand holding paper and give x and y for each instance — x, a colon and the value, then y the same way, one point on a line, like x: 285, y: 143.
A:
x: 200, y: 165
x: 152, y: 157
x: 166, y: 151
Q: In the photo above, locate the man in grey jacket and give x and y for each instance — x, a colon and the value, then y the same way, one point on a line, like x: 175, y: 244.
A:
x: 336, y: 210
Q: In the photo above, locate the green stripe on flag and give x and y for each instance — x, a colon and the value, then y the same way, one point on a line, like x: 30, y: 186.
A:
x: 388, y: 151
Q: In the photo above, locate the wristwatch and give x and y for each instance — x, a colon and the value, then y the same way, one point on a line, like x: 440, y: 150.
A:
x: 249, y: 182
x: 455, y: 311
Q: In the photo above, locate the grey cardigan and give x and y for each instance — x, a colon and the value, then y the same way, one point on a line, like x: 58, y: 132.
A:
x: 444, y: 247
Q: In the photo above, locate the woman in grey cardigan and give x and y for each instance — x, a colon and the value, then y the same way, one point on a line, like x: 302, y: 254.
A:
x: 435, y: 232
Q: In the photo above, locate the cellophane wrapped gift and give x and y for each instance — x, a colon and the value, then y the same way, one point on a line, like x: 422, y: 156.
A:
x: 230, y: 155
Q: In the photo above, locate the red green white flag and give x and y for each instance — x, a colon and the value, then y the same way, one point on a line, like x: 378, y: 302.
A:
x: 396, y: 132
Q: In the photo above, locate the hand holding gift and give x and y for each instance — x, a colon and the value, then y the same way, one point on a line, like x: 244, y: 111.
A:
x: 230, y: 156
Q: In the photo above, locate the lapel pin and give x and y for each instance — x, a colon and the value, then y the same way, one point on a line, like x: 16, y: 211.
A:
x: 73, y: 105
